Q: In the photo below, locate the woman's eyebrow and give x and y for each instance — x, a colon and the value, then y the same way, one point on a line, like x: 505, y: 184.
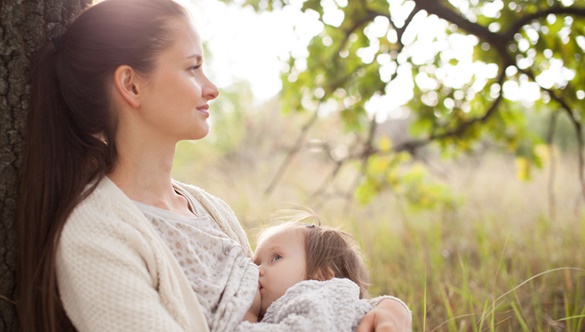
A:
x: 196, y: 56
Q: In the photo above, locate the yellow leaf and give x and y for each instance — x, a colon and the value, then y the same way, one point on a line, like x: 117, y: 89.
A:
x: 379, y: 165
x: 522, y: 168
x: 385, y: 144
x: 543, y: 151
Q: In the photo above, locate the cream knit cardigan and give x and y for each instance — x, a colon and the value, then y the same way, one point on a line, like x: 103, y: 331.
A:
x: 115, y: 273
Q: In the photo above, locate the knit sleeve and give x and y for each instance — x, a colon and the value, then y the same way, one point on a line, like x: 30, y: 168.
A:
x: 317, y: 306
x: 104, y: 280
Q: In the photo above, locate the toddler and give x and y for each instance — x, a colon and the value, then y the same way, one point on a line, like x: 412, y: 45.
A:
x: 312, y: 278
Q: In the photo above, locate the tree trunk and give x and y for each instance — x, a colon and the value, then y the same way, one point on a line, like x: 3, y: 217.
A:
x: 24, y: 26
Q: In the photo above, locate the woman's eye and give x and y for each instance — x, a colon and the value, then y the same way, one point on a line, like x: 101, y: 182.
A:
x: 194, y: 68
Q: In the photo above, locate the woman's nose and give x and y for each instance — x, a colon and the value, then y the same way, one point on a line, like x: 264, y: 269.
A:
x: 210, y: 90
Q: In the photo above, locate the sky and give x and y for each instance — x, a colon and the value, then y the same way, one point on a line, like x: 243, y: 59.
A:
x: 245, y: 45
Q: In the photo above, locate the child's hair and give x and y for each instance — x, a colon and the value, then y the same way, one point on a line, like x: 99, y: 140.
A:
x: 330, y: 252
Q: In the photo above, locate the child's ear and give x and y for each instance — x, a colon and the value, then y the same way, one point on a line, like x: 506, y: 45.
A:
x: 324, y: 273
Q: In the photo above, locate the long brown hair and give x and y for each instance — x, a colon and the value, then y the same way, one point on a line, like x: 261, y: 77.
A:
x: 70, y: 135
x: 330, y: 252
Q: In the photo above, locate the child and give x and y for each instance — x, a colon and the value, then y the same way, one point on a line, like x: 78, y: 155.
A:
x: 312, y: 278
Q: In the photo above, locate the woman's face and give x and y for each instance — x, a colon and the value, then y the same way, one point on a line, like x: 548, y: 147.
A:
x: 282, y: 263
x: 176, y: 94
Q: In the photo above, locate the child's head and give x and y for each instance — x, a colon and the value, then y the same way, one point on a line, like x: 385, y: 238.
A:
x: 293, y: 251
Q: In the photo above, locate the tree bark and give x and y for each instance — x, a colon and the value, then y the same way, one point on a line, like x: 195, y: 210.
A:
x: 24, y: 26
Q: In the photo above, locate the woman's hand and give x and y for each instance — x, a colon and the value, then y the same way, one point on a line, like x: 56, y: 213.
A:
x: 388, y: 316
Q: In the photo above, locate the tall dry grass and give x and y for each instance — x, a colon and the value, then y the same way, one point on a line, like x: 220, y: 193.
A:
x: 510, y: 256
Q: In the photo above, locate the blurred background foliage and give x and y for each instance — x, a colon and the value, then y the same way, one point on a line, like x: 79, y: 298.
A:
x: 467, y: 194
x: 506, y: 71
x: 454, y: 264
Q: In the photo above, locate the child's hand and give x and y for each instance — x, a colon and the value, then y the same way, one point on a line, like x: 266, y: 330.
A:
x: 388, y: 316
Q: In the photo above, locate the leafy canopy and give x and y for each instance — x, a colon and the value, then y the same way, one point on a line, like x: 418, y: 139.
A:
x: 462, y: 70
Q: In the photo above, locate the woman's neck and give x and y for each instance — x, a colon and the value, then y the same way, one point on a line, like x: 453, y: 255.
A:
x: 143, y: 173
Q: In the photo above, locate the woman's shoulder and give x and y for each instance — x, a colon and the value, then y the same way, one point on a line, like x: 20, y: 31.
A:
x: 106, y: 206
x: 102, y: 199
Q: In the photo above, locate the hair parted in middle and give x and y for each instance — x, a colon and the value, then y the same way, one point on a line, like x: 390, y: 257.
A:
x: 330, y: 252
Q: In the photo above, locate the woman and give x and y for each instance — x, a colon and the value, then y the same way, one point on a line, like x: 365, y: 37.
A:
x: 108, y: 241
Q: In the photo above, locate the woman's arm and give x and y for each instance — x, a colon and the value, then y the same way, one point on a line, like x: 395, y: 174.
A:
x: 390, y: 315
x: 109, y: 279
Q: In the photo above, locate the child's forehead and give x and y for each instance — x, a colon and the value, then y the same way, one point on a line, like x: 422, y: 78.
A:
x: 282, y: 233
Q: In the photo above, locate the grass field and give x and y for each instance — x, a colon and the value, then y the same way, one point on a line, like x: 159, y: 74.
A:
x: 510, y: 256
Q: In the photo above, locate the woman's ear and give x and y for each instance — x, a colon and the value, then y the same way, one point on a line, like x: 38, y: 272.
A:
x: 324, y: 273
x: 127, y: 85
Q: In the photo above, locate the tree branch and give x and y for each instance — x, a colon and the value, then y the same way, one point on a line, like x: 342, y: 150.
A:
x: 576, y: 124
x: 411, y: 146
x: 552, y: 171
x: 329, y: 180
x: 402, y: 30
x: 289, y: 157
x: 369, y: 17
x: 399, y: 31
x: 572, y: 11
x: 363, y: 155
x: 499, y: 41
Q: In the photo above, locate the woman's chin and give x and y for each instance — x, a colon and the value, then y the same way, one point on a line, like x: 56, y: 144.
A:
x: 199, y: 134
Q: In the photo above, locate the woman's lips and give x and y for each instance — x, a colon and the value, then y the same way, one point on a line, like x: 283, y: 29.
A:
x: 204, y: 110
